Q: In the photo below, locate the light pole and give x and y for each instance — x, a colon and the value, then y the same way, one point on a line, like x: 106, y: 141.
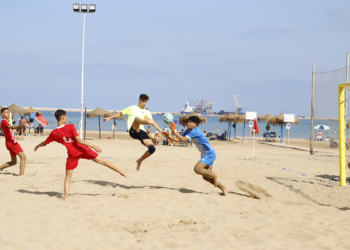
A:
x: 83, y: 9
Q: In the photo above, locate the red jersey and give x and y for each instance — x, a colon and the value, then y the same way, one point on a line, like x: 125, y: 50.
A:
x: 65, y: 135
x: 9, y: 134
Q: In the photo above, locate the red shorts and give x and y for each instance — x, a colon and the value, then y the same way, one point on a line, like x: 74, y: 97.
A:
x: 13, y: 148
x: 72, y: 162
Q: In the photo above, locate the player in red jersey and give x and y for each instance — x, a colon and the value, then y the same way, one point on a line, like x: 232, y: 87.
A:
x: 11, y: 143
x: 76, y: 147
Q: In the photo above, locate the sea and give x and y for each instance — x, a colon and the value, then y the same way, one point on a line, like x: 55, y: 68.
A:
x: 301, y: 131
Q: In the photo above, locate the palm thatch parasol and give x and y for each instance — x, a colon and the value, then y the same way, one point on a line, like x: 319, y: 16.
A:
x: 184, y: 119
x: 15, y: 109
x: 31, y: 110
x: 229, y: 118
x: 241, y: 118
x: 277, y: 120
x: 266, y: 118
x: 122, y: 118
x: 98, y: 112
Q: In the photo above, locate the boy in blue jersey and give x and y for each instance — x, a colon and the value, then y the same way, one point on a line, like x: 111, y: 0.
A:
x: 208, y: 155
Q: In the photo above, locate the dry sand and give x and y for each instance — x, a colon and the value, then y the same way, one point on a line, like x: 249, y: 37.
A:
x: 167, y: 206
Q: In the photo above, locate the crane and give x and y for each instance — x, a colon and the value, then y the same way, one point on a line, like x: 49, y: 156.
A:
x: 239, y: 108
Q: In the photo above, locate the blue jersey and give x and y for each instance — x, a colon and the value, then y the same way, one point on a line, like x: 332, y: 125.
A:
x: 199, y: 139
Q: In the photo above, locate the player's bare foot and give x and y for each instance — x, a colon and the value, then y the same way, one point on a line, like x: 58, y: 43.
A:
x: 124, y: 174
x: 225, y: 191
x: 65, y: 198
x: 216, y: 181
x: 138, y: 164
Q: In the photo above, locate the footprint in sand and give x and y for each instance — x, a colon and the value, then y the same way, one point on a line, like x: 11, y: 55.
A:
x: 255, y: 191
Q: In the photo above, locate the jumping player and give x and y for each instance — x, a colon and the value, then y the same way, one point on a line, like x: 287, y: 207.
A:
x: 76, y: 147
x: 208, y: 155
x: 11, y: 143
x: 138, y: 116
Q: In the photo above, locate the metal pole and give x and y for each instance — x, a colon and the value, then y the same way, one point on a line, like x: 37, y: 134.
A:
x: 234, y: 136
x: 346, y: 94
x: 85, y: 125
x: 253, y: 145
x: 281, y: 132
x: 82, y: 82
x: 312, y: 110
x: 243, y: 131
x: 99, y: 125
x: 342, y: 159
x: 287, y: 136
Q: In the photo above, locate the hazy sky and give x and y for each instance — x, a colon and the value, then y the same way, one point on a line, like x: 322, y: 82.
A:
x: 171, y: 50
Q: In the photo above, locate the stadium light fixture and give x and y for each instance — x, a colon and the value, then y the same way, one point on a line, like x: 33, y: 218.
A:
x: 83, y: 9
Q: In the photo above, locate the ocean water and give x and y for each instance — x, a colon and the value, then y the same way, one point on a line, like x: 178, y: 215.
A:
x: 301, y: 131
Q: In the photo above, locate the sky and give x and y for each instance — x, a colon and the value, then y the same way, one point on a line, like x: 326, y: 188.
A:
x: 173, y: 51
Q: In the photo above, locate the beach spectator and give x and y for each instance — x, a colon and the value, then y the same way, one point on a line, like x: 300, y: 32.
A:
x: 20, y: 131
x: 157, y: 138
x: 205, y: 133
x: 181, y: 132
x: 216, y: 132
x: 149, y: 130
x: 39, y: 130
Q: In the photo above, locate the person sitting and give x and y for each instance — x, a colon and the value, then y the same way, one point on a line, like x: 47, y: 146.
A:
x: 205, y: 133
x: 216, y: 132
x: 39, y: 130
x: 21, y: 130
x: 181, y: 132
x: 157, y: 138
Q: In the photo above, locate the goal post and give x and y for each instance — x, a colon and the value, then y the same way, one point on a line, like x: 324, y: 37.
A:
x: 342, y: 145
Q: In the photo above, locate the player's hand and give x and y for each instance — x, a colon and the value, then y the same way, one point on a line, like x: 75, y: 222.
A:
x: 36, y: 148
x: 106, y: 119
x: 97, y: 149
x: 166, y: 133
x: 173, y: 128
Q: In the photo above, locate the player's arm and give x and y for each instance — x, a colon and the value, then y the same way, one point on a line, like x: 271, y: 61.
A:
x: 85, y: 143
x: 180, y: 137
x: 18, y: 126
x: 43, y: 144
x: 113, y: 116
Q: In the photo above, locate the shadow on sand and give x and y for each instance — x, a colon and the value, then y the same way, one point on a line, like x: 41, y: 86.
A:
x: 283, y: 182
x: 51, y: 194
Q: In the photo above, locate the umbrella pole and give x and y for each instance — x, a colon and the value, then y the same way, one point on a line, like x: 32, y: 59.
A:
x: 230, y: 131
x: 287, y: 136
x: 85, y: 126
x: 281, y: 132
x: 234, y: 136
x: 113, y: 127
x: 243, y: 131
x: 250, y: 133
x: 99, y: 125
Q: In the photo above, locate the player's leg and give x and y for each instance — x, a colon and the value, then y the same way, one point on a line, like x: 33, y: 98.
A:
x: 151, y: 149
x: 69, y: 173
x: 109, y: 164
x: 138, y: 121
x: 200, y: 168
x: 22, y: 166
x: 10, y: 163
x: 211, y: 180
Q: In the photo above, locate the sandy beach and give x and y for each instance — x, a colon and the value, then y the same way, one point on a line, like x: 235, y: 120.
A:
x: 167, y: 206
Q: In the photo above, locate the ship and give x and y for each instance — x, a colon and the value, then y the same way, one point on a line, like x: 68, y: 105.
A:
x: 187, y: 108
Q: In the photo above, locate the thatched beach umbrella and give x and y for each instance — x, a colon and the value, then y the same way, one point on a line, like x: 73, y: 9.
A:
x: 229, y: 118
x: 31, y: 110
x: 278, y: 120
x: 239, y: 119
x: 98, y: 112
x: 122, y: 118
x: 184, y: 119
x: 266, y: 118
x: 15, y: 109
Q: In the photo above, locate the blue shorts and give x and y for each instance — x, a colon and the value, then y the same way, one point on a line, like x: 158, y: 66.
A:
x: 209, y: 158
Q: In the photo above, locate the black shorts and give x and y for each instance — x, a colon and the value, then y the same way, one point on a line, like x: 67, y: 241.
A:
x: 142, y: 135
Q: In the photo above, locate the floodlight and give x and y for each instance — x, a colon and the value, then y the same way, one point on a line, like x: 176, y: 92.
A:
x: 76, y: 7
x: 92, y: 8
x: 84, y: 7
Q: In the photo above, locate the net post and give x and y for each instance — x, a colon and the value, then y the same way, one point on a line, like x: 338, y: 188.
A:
x: 342, y: 137
x: 346, y: 94
x: 312, y: 110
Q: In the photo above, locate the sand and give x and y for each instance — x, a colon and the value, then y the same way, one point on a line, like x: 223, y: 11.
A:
x: 167, y: 206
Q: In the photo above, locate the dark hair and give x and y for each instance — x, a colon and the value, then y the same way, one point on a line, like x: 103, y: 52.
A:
x: 194, y: 119
x: 21, y: 117
x: 3, y: 109
x: 59, y: 113
x: 144, y: 97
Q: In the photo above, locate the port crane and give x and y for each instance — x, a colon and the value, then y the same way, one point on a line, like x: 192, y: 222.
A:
x: 239, y: 108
